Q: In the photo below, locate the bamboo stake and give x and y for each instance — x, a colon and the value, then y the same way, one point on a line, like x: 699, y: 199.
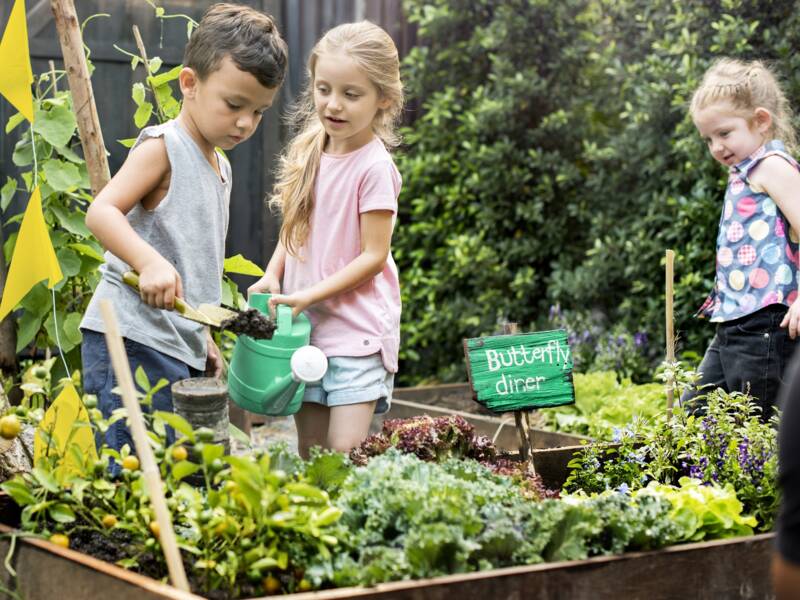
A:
x: 53, y: 77
x: 150, y: 473
x: 670, y: 326
x: 143, y: 53
x: 94, y: 149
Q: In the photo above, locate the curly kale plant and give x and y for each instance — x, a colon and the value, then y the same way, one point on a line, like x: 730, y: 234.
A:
x: 404, y: 518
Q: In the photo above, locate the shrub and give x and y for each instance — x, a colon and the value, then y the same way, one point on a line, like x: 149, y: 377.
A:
x: 554, y: 162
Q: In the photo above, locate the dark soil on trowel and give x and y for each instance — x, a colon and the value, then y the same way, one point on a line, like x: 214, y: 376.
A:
x: 252, y: 323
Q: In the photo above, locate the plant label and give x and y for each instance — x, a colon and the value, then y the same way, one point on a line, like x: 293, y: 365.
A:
x: 520, y: 371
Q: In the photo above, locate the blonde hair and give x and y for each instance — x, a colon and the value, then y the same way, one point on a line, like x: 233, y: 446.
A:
x: 373, y: 50
x: 747, y: 86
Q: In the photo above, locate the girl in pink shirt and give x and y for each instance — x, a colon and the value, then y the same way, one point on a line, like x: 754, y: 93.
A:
x: 337, y: 190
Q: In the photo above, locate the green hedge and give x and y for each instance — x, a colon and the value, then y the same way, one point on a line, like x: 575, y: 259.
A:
x: 553, y: 162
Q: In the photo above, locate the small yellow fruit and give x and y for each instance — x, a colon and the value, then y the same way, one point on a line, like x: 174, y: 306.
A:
x: 9, y: 427
x: 155, y: 528
x: 221, y: 527
x: 59, y: 539
x: 304, y: 585
x: 109, y: 521
x: 272, y: 585
x: 130, y: 462
x: 179, y: 453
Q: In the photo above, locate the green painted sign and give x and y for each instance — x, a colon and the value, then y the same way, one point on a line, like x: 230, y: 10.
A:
x: 521, y: 371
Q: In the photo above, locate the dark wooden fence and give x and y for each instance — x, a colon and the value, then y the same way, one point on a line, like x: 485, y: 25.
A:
x: 253, y: 231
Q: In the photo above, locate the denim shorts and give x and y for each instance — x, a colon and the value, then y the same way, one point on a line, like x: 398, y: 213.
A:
x: 353, y: 380
x: 749, y: 354
x: 99, y: 379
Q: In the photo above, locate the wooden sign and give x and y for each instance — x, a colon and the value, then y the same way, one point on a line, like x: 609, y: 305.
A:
x: 521, y: 371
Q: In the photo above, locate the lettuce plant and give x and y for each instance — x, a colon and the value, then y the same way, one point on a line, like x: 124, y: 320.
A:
x: 436, y: 439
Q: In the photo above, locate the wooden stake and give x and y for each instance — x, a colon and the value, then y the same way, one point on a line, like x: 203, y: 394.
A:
x: 522, y: 418
x: 94, y: 149
x: 150, y: 473
x: 670, y: 333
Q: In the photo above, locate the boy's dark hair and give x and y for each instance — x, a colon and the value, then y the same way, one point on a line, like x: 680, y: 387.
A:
x: 248, y: 36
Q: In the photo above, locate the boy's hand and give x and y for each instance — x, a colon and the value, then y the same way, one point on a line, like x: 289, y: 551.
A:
x: 214, y: 364
x: 792, y: 319
x: 299, y: 301
x: 160, y: 284
x: 267, y: 284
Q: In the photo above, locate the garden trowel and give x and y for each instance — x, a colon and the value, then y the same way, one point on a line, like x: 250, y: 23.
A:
x: 251, y: 322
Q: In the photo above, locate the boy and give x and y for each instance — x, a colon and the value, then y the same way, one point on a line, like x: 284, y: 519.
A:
x: 165, y: 213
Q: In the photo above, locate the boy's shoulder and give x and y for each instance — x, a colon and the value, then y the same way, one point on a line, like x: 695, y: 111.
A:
x: 153, y: 132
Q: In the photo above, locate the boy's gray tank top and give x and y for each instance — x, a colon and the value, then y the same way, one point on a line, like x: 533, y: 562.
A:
x: 188, y: 228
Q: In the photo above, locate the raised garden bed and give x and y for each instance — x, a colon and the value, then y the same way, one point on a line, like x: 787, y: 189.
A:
x: 734, y: 568
x: 737, y: 568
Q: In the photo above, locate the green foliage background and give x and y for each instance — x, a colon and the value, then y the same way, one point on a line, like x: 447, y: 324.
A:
x: 554, y: 162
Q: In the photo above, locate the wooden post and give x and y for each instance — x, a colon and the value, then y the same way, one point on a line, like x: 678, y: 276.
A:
x: 670, y: 327
x: 94, y: 149
x: 522, y: 418
x: 150, y: 473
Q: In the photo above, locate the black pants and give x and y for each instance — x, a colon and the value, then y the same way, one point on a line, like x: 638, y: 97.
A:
x: 749, y: 354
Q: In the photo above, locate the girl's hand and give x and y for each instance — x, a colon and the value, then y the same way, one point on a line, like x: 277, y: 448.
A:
x: 298, y: 301
x: 792, y: 319
x: 267, y: 284
x: 214, y: 360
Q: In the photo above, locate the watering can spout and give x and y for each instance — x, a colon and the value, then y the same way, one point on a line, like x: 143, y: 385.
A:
x: 308, y: 365
x: 281, y: 392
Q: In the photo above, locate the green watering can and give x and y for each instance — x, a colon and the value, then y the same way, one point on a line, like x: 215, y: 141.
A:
x: 268, y: 377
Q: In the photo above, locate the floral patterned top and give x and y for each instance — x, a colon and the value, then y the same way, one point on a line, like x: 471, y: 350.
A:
x: 756, y: 250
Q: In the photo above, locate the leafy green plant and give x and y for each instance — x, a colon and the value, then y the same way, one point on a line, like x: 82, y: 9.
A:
x: 64, y: 183
x: 250, y: 527
x: 702, y: 511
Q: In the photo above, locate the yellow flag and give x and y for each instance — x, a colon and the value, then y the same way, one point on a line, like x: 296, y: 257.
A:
x: 67, y: 424
x: 33, y: 260
x: 16, y: 75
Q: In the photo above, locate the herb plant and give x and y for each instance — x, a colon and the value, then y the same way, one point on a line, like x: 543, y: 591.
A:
x: 726, y: 444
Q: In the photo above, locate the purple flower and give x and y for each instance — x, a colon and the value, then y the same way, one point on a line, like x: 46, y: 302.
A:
x: 640, y: 339
x: 695, y: 472
x: 624, y: 489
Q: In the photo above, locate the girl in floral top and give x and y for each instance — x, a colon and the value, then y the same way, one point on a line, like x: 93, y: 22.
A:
x: 743, y: 116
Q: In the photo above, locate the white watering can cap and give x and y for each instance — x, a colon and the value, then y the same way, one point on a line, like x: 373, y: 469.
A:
x: 308, y: 364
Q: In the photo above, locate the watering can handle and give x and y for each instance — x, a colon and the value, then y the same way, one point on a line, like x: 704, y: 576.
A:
x: 284, y: 319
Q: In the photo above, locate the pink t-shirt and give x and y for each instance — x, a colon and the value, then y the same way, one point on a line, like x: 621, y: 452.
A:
x: 366, y: 319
